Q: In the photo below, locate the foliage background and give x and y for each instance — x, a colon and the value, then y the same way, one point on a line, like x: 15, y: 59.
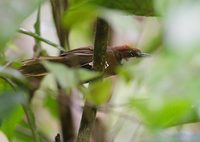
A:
x: 154, y: 99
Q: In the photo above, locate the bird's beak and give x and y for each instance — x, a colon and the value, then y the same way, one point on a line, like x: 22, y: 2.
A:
x: 142, y: 54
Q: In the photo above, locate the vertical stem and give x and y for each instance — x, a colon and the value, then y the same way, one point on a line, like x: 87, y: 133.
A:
x: 28, y: 112
x: 64, y: 100
x: 100, y: 45
x: 67, y: 124
x: 58, y: 9
x: 99, y: 58
x: 57, y: 138
x: 37, y: 46
x: 31, y: 122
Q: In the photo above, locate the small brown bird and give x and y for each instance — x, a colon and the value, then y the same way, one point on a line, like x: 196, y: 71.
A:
x: 81, y: 57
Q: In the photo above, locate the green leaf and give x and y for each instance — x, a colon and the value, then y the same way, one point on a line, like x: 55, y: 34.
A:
x: 161, y: 112
x: 170, y: 82
x: 12, y: 95
x: 48, y: 84
x: 85, y: 13
x: 12, y: 14
x: 86, y: 75
x: 51, y: 104
x: 136, y: 7
x: 13, y: 77
x: 126, y: 72
x: 62, y: 74
x: 31, y: 122
x: 49, y: 89
x: 9, y: 101
x: 4, y: 85
x: 23, y: 134
x: 10, y: 123
x: 163, y: 6
x: 68, y: 77
x: 98, y: 92
x: 23, y: 137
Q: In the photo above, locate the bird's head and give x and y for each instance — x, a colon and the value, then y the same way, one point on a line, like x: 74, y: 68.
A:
x: 126, y: 51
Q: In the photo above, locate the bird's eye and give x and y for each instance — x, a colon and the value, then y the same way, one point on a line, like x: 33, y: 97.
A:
x: 131, y: 53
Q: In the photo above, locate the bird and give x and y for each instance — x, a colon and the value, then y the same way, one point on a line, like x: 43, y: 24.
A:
x: 82, y: 58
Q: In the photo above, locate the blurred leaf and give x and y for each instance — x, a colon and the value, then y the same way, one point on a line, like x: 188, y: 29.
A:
x: 48, y: 84
x: 48, y: 87
x: 79, y: 18
x: 4, y: 85
x: 162, y: 112
x: 183, y: 37
x: 83, y: 33
x: 31, y: 122
x: 81, y: 12
x: 23, y: 132
x: 10, y: 123
x: 154, y: 44
x: 178, y: 136
x: 68, y: 77
x: 16, y: 64
x: 12, y: 94
x: 98, y: 92
x: 22, y: 136
x: 170, y: 82
x: 62, y: 74
x: 136, y: 7
x: 163, y: 6
x: 12, y: 13
x: 78, y: 14
x: 126, y: 72
x: 12, y: 73
x: 13, y: 77
x: 86, y: 75
x: 8, y: 103
x: 51, y: 104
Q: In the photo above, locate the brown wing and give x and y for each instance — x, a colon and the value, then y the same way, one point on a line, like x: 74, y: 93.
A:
x: 83, y: 51
x: 81, y: 57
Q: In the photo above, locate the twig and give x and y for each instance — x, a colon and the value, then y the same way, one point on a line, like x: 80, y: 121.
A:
x: 9, y: 82
x: 34, y: 35
x: 37, y: 46
x: 57, y: 138
x: 7, y: 65
x: 64, y: 99
x: 58, y: 9
x: 66, y: 118
x: 99, y: 58
x: 100, y: 45
x: 31, y: 122
x: 28, y: 113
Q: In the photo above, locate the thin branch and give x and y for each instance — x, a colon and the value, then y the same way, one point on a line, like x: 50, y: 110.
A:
x: 58, y: 9
x: 31, y: 122
x: 9, y: 82
x: 99, y: 58
x: 34, y: 35
x: 66, y: 118
x: 57, y: 138
x: 7, y: 64
x: 64, y: 100
x: 37, y: 46
x: 100, y: 45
